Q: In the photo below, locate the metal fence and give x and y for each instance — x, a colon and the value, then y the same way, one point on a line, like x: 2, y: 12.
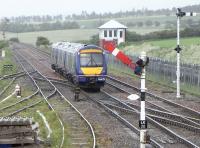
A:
x: 165, y: 70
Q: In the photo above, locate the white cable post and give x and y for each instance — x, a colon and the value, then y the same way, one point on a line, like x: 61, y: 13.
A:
x: 143, y: 122
x: 180, y: 14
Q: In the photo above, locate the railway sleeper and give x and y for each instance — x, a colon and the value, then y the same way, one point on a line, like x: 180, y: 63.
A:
x: 18, y: 131
x: 168, y: 115
x: 175, y: 123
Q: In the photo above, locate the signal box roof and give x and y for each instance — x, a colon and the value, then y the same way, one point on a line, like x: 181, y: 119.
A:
x: 112, y: 24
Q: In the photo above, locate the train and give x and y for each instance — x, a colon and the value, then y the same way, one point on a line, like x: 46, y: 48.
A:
x: 84, y: 65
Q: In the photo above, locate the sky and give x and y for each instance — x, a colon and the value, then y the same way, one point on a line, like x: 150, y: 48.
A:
x: 10, y: 8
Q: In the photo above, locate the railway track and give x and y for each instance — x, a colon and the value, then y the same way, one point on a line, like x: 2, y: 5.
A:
x: 9, y: 83
x: 155, y: 101
x: 119, y: 109
x: 56, y: 102
x: 156, y: 114
x: 178, y: 123
x: 122, y: 137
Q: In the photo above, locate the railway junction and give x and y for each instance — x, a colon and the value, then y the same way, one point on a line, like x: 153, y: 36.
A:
x: 48, y: 115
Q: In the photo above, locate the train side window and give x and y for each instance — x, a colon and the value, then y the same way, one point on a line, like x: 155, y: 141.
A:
x: 121, y: 33
x: 115, y: 33
x: 110, y: 33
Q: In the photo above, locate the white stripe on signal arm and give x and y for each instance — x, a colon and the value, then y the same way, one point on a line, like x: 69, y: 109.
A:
x: 115, y: 52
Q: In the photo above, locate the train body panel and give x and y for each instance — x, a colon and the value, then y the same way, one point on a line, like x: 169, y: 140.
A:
x: 83, y: 64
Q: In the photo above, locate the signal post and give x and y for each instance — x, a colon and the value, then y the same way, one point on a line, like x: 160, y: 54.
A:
x: 139, y: 69
x: 179, y: 15
x: 144, y: 138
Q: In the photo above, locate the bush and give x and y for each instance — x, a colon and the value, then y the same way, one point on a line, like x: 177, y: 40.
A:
x: 122, y: 45
x: 133, y: 36
x: 3, y: 44
x: 14, y: 40
x: 42, y: 41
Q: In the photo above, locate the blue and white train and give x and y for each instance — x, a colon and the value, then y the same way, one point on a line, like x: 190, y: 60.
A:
x: 84, y: 65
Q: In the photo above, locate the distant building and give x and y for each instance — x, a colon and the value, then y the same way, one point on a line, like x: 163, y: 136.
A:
x: 112, y: 31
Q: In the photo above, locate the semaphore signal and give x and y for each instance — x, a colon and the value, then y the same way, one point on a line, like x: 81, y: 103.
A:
x: 179, y: 15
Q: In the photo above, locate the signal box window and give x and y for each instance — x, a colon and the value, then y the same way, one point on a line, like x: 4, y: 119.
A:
x: 121, y: 33
x: 110, y: 33
x: 115, y: 33
x: 105, y: 33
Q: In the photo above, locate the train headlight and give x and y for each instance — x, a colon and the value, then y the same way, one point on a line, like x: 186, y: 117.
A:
x: 101, y: 79
x: 82, y: 79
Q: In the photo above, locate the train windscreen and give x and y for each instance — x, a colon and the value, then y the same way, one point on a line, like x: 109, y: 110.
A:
x: 91, y: 59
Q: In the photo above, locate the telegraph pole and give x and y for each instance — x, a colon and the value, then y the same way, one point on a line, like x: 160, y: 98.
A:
x: 5, y: 22
x: 179, y: 15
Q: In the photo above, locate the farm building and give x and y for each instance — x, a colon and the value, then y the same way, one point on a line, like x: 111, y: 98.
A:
x: 112, y: 31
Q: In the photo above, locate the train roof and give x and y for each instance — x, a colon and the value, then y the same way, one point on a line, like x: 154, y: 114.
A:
x: 73, y: 47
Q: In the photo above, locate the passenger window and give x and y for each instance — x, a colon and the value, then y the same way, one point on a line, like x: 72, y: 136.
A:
x: 105, y: 33
x: 110, y: 33
x: 121, y: 33
x: 115, y: 33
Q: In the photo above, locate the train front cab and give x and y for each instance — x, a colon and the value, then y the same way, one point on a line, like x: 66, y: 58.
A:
x: 91, y: 68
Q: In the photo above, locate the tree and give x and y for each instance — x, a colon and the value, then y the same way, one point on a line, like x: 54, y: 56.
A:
x: 4, y: 26
x: 132, y: 36
x: 42, y: 41
x: 148, y: 23
x: 94, y: 39
x: 157, y: 23
x: 140, y: 24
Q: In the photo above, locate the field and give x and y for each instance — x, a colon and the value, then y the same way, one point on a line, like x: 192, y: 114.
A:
x: 134, y: 19
x: 54, y: 36
x: 66, y: 35
x: 164, y: 49
x: 158, y: 48
x: 89, y: 28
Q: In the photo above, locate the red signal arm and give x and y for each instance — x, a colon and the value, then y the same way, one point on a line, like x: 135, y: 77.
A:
x: 137, y: 67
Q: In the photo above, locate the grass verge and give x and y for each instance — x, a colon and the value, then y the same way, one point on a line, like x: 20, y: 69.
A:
x: 158, y: 80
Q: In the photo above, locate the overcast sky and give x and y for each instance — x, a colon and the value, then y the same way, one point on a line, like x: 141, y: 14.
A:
x: 53, y: 7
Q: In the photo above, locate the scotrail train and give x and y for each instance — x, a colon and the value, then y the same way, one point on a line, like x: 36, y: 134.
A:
x: 84, y: 65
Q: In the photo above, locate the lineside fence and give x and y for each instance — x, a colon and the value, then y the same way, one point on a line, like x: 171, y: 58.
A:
x: 163, y: 69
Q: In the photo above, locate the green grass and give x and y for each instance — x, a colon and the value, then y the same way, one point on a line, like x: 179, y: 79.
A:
x: 55, y: 36
x: 54, y: 124
x: 72, y: 35
x: 164, y: 49
x: 3, y: 83
x: 160, y: 18
x: 157, y: 79
x: 145, y: 30
x: 90, y: 28
x: 31, y: 112
x: 171, y: 43
x: 7, y: 60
